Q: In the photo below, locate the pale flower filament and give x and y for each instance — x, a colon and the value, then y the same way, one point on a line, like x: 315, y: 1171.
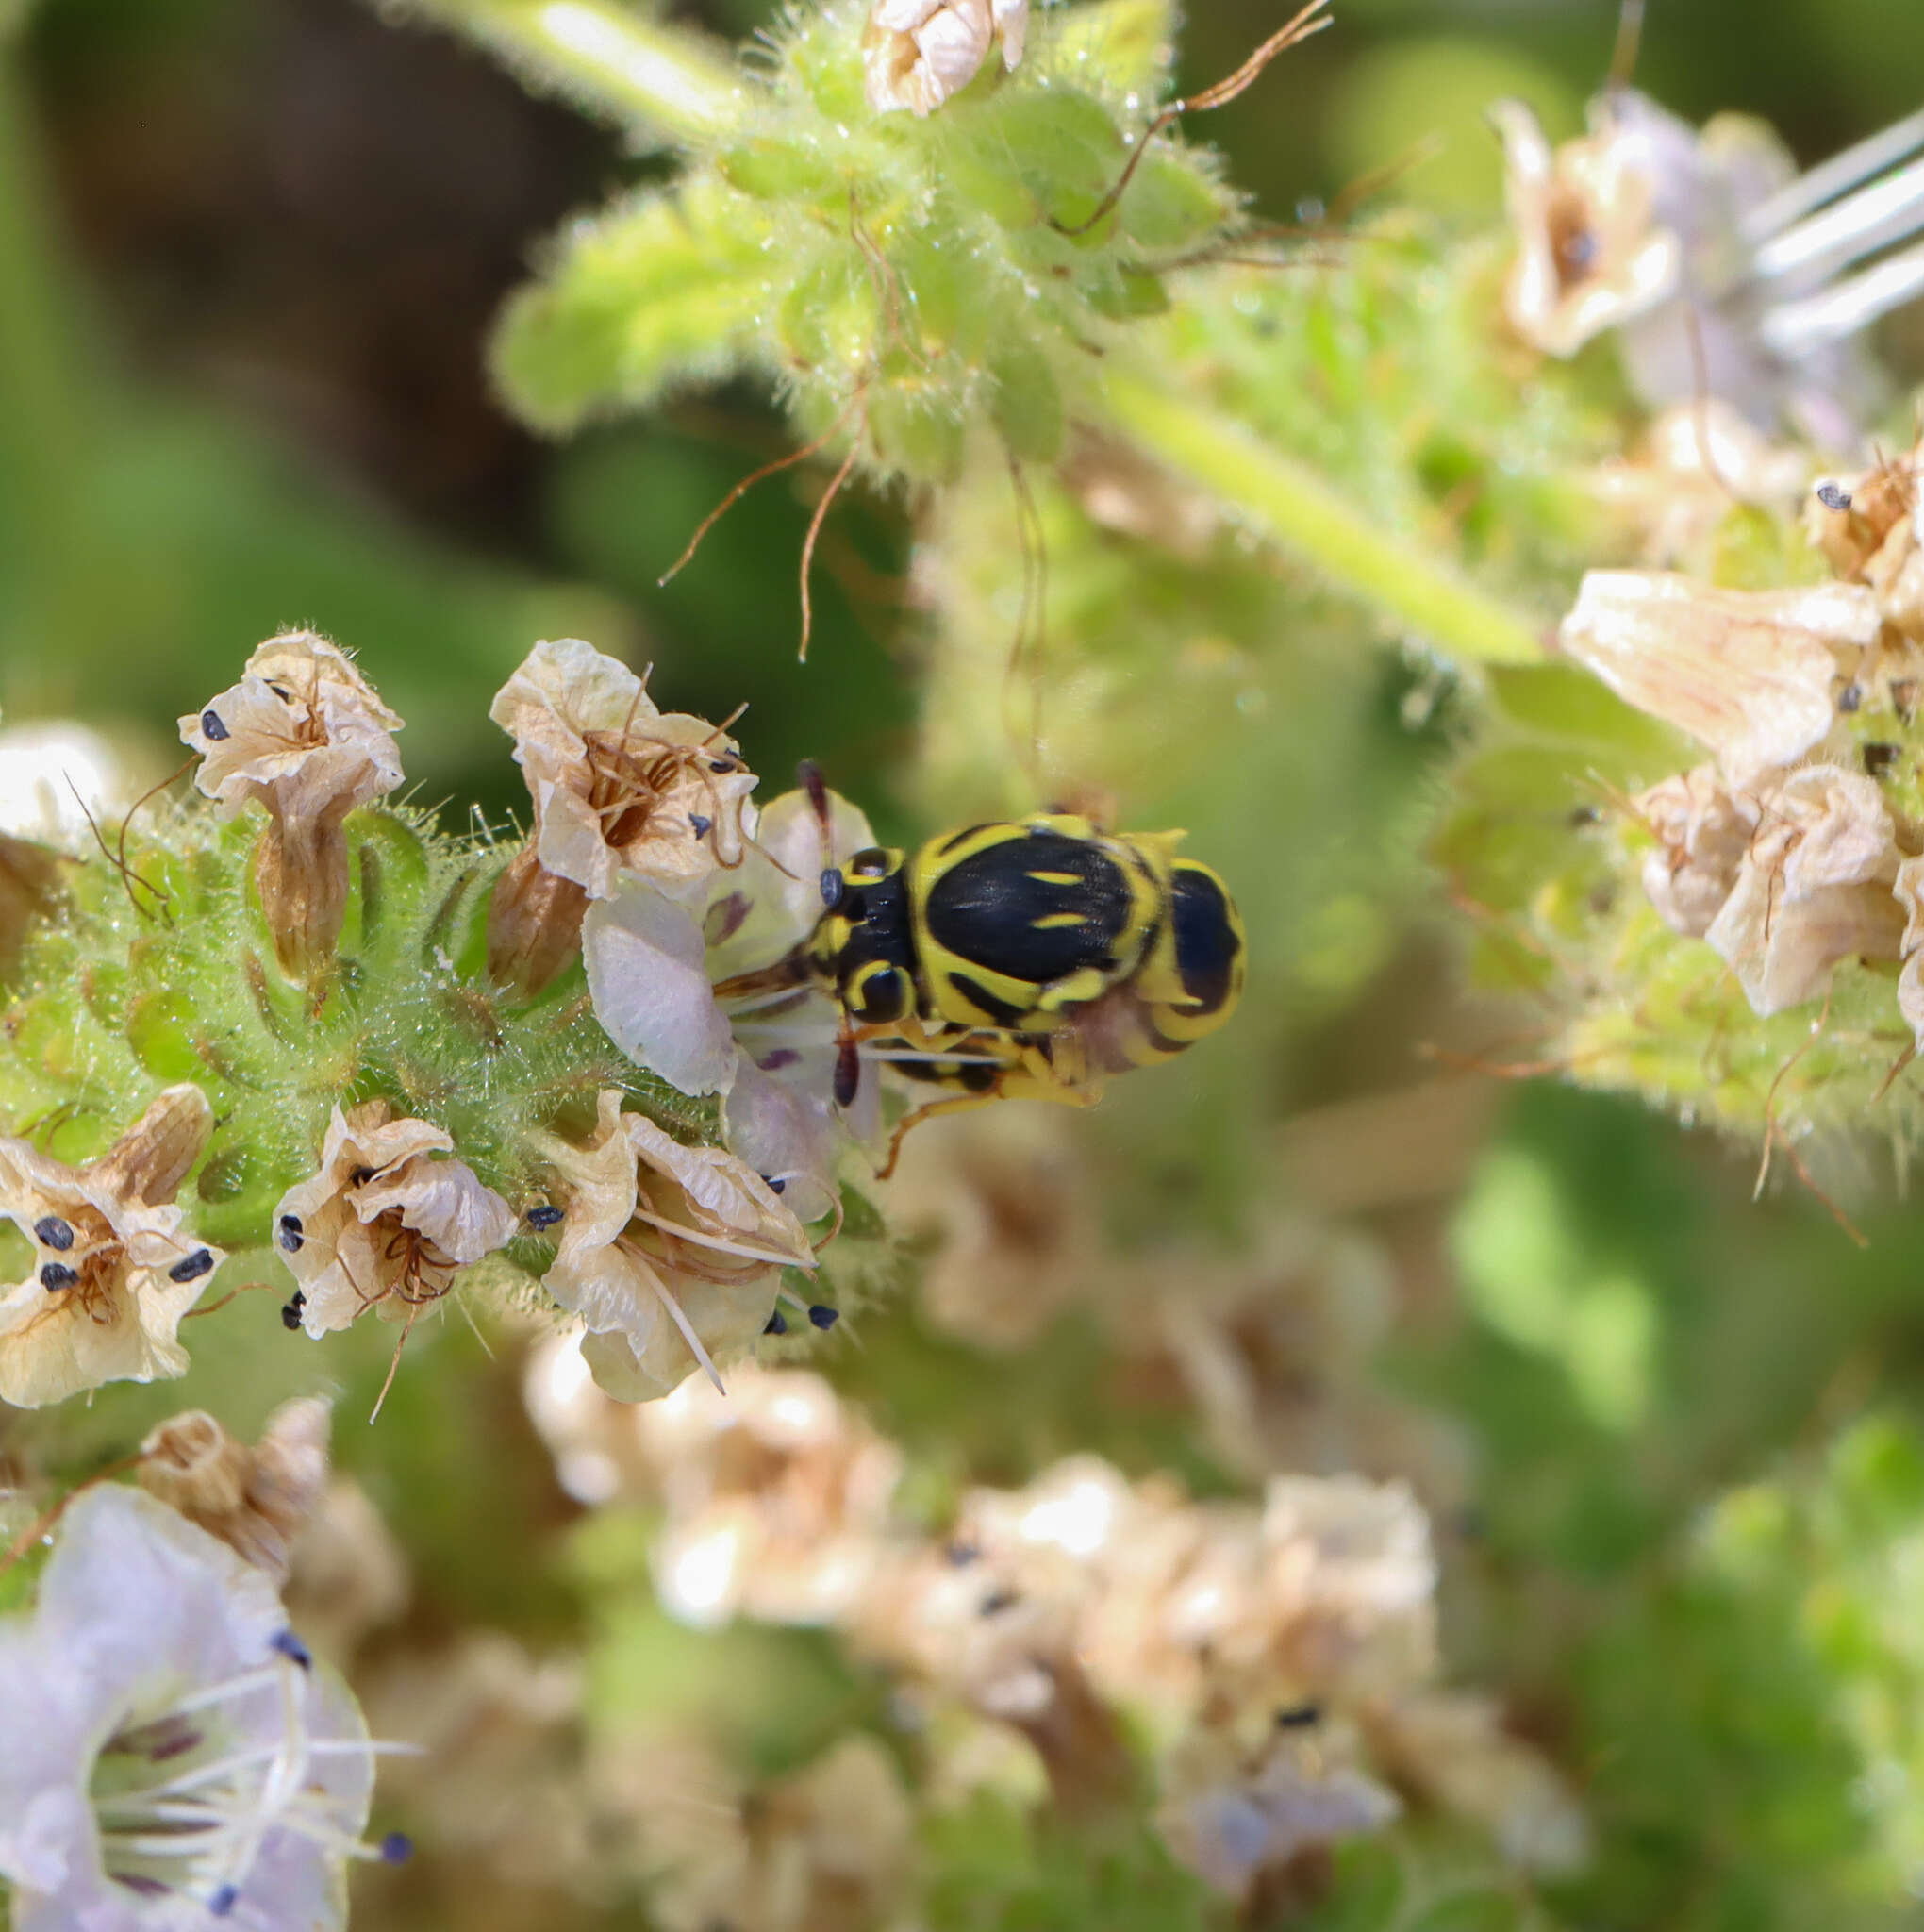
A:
x: 198, y: 1827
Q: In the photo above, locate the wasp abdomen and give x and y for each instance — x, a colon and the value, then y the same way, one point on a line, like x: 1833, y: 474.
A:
x: 1033, y: 907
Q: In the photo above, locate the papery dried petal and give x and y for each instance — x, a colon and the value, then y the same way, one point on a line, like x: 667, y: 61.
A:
x: 383, y: 1223
x: 1815, y: 888
x: 1850, y: 519
x: 668, y: 1253
x: 1703, y: 833
x: 619, y: 787
x: 303, y: 735
x: 651, y: 1357
x: 648, y: 976
x: 114, y: 1270
x: 1748, y: 674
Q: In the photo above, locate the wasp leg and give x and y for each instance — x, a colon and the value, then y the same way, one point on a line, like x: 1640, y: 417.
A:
x: 1016, y: 1085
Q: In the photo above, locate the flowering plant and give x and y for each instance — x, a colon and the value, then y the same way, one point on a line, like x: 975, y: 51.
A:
x: 1244, y: 1506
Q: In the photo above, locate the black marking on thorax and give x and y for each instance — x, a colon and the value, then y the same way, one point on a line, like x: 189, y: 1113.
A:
x: 879, y: 927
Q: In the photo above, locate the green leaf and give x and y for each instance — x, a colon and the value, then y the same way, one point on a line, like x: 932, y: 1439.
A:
x: 665, y: 290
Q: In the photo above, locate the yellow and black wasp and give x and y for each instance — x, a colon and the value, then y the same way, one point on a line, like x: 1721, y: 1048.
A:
x: 1019, y: 959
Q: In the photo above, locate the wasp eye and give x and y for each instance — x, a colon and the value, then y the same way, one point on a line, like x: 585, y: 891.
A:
x: 832, y: 885
x: 871, y: 865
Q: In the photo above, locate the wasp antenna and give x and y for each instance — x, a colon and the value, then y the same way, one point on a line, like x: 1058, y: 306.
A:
x: 1629, y: 20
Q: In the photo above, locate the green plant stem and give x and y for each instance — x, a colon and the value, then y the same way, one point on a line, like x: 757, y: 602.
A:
x: 1291, y: 503
x: 673, y: 84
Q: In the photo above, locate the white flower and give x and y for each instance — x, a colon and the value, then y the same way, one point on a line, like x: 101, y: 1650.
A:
x: 621, y: 787
x: 917, y: 53
x: 653, y: 968
x: 669, y: 1254
x: 829, y: 1848
x: 383, y: 1223
x: 173, y: 1756
x: 114, y: 1268
x: 304, y: 735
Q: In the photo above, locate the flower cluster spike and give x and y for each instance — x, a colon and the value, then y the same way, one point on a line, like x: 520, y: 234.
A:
x: 1722, y: 886
x: 280, y: 1015
x: 900, y: 276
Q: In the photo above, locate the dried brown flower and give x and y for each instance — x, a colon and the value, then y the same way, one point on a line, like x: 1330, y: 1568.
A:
x: 383, y: 1224
x: 1702, y: 834
x: 669, y: 1254
x: 350, y: 1575
x: 304, y: 735
x: 1870, y: 528
x: 1590, y: 252
x: 776, y: 1496
x: 825, y: 1850
x: 114, y: 1270
x: 256, y: 1500
x: 1696, y: 463
x: 1010, y: 1206
x: 1814, y: 887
